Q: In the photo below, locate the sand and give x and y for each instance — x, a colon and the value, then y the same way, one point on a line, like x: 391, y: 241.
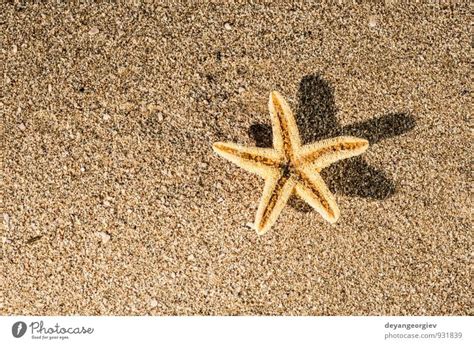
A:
x: 114, y: 203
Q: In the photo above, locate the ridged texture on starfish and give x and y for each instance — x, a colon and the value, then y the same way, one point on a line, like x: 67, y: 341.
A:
x: 290, y: 167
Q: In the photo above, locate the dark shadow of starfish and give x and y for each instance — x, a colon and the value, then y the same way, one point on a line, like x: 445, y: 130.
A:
x: 316, y: 119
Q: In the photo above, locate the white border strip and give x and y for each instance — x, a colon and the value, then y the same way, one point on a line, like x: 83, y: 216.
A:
x: 236, y: 330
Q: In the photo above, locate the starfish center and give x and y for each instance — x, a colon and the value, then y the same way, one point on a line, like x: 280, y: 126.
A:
x: 287, y: 169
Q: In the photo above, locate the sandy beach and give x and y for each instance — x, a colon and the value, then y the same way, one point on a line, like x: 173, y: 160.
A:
x: 114, y: 202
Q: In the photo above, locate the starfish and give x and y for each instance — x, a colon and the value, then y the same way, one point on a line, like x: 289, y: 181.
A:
x: 290, y: 167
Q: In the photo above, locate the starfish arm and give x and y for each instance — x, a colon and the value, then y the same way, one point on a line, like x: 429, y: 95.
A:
x: 311, y: 188
x: 325, y: 152
x: 276, y: 192
x: 257, y: 160
x: 286, y: 139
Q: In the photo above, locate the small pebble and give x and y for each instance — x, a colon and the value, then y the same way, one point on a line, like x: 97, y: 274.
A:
x: 227, y: 26
x: 153, y: 303
x: 22, y: 127
x: 106, y: 117
x: 93, y: 31
x: 105, y: 237
x: 6, y: 220
x: 372, y: 21
x: 6, y: 240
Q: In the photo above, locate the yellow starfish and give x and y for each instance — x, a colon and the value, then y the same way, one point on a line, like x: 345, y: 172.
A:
x: 291, y: 167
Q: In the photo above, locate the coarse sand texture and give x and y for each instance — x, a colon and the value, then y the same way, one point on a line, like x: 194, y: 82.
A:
x: 115, y: 203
